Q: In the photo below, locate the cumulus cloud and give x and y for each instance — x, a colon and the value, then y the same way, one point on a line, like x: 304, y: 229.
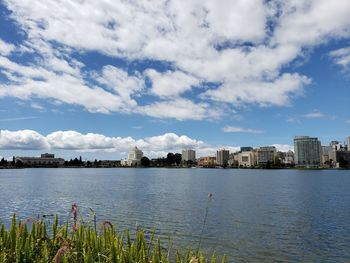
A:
x: 240, y: 129
x: 284, y: 147
x: 198, y: 42
x: 170, y: 83
x: 23, y: 139
x: 121, y: 82
x: 154, y: 146
x: 73, y: 140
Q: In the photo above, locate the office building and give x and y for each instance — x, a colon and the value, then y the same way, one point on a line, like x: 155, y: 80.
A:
x: 348, y: 142
x: 266, y: 155
x: 307, y: 151
x: 222, y: 157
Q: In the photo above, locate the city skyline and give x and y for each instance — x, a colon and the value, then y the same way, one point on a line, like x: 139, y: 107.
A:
x: 89, y: 79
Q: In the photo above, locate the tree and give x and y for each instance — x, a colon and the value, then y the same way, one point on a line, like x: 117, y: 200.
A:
x: 145, y: 161
x: 170, y: 158
x: 177, y: 158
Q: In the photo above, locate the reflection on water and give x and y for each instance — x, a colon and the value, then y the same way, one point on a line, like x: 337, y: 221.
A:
x: 255, y: 215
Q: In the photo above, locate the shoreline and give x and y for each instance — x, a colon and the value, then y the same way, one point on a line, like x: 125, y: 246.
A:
x: 170, y: 167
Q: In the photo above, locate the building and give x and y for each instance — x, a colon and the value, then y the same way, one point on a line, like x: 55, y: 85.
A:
x: 45, y: 159
x: 326, y: 157
x: 246, y: 149
x: 266, y: 155
x: 342, y: 159
x: 288, y: 158
x: 188, y: 155
x: 222, y: 157
x: 307, y: 151
x: 134, y: 157
x: 247, y: 159
x: 208, y: 161
x: 348, y: 143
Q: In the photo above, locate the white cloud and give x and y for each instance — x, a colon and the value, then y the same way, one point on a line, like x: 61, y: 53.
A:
x: 154, y: 146
x: 316, y: 114
x: 6, y: 48
x: 341, y: 57
x: 37, y: 106
x: 180, y: 109
x: 240, y: 129
x: 203, y: 41
x: 73, y: 140
x: 20, y: 118
x: 170, y: 83
x: 347, y: 121
x: 121, y: 82
x: 23, y: 139
x: 276, y: 92
x: 284, y: 147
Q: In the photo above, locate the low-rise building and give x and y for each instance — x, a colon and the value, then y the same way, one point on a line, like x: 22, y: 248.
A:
x: 247, y: 159
x: 208, y: 161
x: 45, y: 159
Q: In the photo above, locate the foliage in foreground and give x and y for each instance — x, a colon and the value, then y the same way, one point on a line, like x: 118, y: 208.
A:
x: 40, y: 243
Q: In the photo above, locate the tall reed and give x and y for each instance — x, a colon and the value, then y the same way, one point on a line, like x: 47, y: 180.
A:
x: 34, y: 241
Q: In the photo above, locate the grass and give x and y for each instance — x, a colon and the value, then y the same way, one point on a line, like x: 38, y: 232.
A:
x: 34, y: 241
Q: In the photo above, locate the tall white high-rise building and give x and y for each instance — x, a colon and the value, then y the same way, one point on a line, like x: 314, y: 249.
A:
x: 348, y: 142
x: 188, y: 155
x: 307, y: 151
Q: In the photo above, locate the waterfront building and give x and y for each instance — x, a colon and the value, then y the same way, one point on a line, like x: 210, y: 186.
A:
x: 247, y: 159
x: 266, y: 154
x: 188, y: 155
x: 348, y: 143
x: 288, y: 158
x: 134, y: 157
x: 45, y: 159
x: 222, y: 157
x: 246, y: 149
x: 307, y: 151
x: 327, y: 153
x: 342, y: 158
x: 208, y: 161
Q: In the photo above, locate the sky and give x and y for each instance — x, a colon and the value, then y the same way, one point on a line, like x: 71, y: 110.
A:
x: 95, y: 78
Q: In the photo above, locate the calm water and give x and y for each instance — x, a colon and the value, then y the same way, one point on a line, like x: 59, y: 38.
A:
x: 254, y: 216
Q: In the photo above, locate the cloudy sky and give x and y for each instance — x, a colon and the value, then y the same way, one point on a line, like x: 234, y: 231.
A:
x: 94, y: 78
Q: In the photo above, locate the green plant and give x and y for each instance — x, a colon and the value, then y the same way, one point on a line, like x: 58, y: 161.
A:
x: 34, y: 241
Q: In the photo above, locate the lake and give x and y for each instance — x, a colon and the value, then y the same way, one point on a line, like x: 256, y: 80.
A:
x: 254, y: 215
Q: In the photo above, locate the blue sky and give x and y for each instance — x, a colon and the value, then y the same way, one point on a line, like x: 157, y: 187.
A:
x: 94, y: 78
